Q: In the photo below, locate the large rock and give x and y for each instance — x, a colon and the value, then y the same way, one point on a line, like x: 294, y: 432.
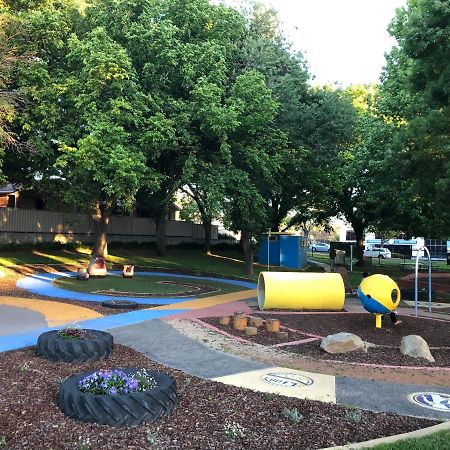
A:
x: 342, y: 343
x: 416, y: 346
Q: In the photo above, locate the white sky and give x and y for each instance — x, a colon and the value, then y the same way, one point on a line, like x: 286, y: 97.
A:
x: 344, y: 41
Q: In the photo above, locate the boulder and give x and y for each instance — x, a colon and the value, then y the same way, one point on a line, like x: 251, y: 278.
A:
x: 342, y: 343
x: 416, y: 346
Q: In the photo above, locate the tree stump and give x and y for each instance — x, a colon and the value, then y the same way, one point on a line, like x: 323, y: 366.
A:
x: 240, y: 321
x: 251, y: 331
x: 225, y: 320
x: 256, y: 322
x: 273, y: 325
x: 282, y: 335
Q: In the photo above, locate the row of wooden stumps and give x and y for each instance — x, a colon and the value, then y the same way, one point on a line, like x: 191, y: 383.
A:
x: 250, y: 325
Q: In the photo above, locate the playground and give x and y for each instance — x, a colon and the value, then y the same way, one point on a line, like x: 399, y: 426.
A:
x: 233, y: 379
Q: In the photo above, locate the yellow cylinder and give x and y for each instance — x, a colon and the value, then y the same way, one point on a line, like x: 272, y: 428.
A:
x: 294, y: 290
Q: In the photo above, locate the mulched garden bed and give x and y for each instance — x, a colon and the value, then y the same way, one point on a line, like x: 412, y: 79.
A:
x: 436, y: 333
x: 208, y: 416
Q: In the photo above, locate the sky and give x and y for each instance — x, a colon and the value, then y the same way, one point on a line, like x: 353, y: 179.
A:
x: 344, y: 41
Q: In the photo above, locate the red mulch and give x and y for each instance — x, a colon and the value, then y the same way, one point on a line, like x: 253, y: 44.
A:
x: 31, y: 420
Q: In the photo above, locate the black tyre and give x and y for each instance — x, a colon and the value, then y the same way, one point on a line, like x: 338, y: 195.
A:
x: 120, y: 304
x: 94, y: 348
x: 127, y: 409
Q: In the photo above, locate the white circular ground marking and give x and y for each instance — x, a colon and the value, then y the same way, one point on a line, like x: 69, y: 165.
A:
x: 287, y: 379
x: 431, y: 400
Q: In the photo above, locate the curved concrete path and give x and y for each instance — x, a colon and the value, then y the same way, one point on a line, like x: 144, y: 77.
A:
x: 17, y: 320
x: 161, y: 342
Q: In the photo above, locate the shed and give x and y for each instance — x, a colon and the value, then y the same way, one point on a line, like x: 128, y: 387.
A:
x: 284, y: 250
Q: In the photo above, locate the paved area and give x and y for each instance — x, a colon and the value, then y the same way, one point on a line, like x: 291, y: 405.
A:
x: 159, y: 341
x: 15, y: 320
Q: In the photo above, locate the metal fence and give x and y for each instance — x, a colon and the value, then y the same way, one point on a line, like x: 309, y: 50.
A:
x: 31, y: 225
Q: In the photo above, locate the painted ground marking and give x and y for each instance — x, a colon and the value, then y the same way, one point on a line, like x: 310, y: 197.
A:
x: 431, y: 400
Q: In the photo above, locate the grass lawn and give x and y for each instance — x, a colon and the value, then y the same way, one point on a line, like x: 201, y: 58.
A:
x: 225, y: 263
x: 437, y: 441
x: 140, y: 284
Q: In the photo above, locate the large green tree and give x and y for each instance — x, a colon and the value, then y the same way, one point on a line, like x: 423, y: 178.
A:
x: 415, y: 94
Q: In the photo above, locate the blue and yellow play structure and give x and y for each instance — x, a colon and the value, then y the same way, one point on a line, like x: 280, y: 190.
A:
x: 379, y: 295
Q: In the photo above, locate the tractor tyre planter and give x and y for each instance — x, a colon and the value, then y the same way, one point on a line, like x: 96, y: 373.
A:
x: 125, y: 409
x: 97, y: 346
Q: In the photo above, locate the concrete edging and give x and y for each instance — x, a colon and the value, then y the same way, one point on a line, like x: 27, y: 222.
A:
x: 396, y: 438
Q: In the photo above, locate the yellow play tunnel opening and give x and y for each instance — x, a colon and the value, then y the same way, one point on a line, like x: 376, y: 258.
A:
x: 294, y: 290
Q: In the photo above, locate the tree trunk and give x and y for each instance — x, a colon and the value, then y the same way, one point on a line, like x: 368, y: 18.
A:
x: 248, y: 253
x: 359, y: 233
x: 207, y: 225
x: 161, y: 235
x: 101, y: 221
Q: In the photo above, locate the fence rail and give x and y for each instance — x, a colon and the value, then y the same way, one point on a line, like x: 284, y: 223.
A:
x: 31, y: 225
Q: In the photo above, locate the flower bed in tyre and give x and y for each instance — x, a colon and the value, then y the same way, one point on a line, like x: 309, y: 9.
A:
x: 118, y: 397
x: 75, y: 345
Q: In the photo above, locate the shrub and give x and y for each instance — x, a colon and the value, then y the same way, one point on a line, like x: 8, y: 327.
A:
x: 116, y: 382
x: 292, y: 414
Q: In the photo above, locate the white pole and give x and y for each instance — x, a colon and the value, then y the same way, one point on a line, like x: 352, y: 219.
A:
x: 351, y: 257
x: 416, y: 282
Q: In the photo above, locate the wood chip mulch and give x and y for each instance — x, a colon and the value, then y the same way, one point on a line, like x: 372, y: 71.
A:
x: 208, y: 417
x: 387, y: 351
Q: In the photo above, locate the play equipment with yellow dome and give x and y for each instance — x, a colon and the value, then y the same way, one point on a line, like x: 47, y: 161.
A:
x: 293, y: 290
x: 379, y: 295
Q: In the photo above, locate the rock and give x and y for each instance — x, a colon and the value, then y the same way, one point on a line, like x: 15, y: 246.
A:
x: 342, y: 343
x: 416, y: 346
x: 256, y: 322
x: 251, y: 331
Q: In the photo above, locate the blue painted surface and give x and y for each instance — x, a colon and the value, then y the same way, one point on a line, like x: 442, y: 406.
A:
x: 42, y: 284
x: 370, y: 304
x: 17, y: 341
x: 273, y: 248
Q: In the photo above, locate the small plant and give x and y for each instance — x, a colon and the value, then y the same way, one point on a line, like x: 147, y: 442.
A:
x: 233, y: 430
x: 83, y: 443
x: 73, y: 333
x: 354, y: 416
x: 116, y: 382
x: 292, y: 414
x: 152, y: 438
x: 2, y: 441
x: 269, y: 396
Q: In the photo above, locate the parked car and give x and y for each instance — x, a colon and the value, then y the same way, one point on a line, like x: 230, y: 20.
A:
x: 320, y: 247
x: 378, y: 252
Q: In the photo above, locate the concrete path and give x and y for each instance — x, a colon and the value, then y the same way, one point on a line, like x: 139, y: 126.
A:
x: 162, y: 343
x: 17, y: 320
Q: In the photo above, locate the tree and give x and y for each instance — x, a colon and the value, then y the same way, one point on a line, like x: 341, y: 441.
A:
x: 415, y: 94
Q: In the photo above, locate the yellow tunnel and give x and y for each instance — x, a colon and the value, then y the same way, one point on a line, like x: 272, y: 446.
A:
x: 294, y: 290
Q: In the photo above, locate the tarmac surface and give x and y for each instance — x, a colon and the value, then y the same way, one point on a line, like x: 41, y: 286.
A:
x: 18, y: 320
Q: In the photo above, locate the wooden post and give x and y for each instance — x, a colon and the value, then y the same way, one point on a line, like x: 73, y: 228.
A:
x: 240, y: 321
x: 225, y: 320
x: 273, y: 325
x: 251, y: 331
x: 256, y: 322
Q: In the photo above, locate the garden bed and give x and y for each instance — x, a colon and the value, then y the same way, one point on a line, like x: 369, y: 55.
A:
x: 210, y: 415
x: 387, y: 339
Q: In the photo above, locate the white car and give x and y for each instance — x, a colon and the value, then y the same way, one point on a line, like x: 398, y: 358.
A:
x: 320, y: 247
x: 378, y: 252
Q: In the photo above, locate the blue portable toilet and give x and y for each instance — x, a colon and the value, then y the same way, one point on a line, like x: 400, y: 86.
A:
x: 284, y: 250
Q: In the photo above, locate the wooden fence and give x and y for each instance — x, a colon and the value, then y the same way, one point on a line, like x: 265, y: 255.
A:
x: 32, y: 225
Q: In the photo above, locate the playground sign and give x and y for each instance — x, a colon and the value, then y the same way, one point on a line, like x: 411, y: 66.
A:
x: 432, y: 400
x: 287, y: 379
